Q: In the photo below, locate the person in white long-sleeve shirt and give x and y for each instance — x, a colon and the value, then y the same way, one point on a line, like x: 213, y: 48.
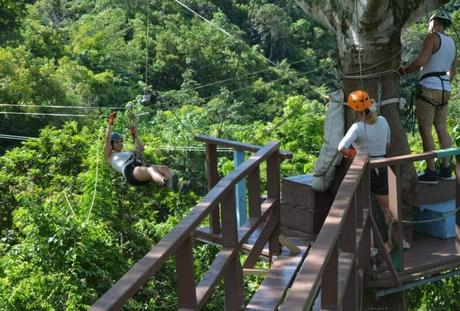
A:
x: 371, y: 134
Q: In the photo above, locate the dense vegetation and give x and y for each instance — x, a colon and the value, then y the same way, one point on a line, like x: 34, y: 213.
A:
x: 69, y: 225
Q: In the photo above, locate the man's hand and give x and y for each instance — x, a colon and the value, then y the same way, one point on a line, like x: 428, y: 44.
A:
x: 401, y: 70
x: 111, y: 118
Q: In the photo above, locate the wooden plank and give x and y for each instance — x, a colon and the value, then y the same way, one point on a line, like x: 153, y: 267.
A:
x: 254, y: 193
x: 245, y: 231
x: 262, y: 239
x: 211, y: 277
x: 236, y: 145
x: 185, y: 276
x: 346, y: 279
x: 213, y: 178
x: 395, y: 204
x: 457, y: 202
x: 330, y: 282
x: 273, y: 191
x: 420, y: 272
x: 233, y: 275
x: 435, y: 193
x: 279, y: 277
x: 252, y: 271
x: 364, y: 245
x: 202, y: 234
x: 384, y: 254
x: 409, y: 158
x: 240, y: 191
x: 427, y: 256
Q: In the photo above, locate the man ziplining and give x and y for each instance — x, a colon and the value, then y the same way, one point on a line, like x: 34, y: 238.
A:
x: 131, y: 163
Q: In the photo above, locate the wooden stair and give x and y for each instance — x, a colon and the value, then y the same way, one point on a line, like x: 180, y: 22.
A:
x: 278, y: 279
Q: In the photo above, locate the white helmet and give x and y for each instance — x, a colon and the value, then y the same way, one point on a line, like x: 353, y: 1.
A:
x: 443, y: 16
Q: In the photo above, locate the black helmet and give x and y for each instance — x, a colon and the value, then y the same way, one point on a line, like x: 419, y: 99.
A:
x: 115, y: 136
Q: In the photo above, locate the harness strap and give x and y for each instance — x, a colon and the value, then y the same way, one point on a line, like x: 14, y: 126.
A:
x: 438, y: 74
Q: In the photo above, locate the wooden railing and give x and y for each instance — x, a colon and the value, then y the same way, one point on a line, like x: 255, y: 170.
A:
x: 264, y: 215
x: 339, y: 261
x: 213, y: 177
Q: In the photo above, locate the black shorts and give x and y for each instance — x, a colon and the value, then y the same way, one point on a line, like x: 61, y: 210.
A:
x: 129, y: 176
x: 379, y: 180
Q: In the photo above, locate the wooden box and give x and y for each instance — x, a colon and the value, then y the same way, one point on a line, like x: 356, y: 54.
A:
x: 302, y: 208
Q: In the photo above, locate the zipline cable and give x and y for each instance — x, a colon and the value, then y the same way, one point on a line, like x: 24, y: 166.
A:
x: 60, y: 107
x: 223, y: 31
x: 49, y: 114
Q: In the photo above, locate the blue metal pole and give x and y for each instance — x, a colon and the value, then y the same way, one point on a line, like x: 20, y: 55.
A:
x: 240, y: 191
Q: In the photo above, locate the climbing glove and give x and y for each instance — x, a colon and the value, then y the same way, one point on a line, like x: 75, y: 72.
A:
x: 111, y: 118
x: 350, y: 153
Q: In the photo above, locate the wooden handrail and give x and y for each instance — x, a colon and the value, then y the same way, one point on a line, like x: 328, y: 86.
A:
x: 409, y: 158
x: 237, y: 145
x: 309, y: 277
x: 143, y: 270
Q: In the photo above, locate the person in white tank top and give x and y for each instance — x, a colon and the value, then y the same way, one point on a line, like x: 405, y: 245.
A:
x: 129, y: 163
x: 437, y: 62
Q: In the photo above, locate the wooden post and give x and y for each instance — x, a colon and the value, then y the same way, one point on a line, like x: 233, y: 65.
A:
x: 394, y: 197
x: 213, y: 178
x: 254, y: 193
x: 457, y: 202
x: 273, y: 191
x: 348, y: 232
x: 350, y: 301
x: 233, y: 276
x: 363, y: 253
x: 240, y: 191
x: 329, y: 282
x: 186, y: 291
x: 348, y: 244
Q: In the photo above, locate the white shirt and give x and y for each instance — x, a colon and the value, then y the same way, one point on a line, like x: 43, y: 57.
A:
x: 440, y: 61
x: 122, y: 159
x: 370, y: 138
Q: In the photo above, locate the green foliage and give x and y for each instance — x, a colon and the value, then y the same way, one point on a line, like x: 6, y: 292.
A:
x: 442, y: 295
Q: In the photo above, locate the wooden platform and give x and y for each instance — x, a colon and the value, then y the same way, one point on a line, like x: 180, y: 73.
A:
x: 427, y: 256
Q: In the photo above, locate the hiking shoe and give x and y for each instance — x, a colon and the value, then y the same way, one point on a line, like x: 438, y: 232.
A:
x: 445, y: 173
x: 430, y: 177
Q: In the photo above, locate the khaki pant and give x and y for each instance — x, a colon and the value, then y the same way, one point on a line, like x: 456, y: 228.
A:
x: 429, y: 115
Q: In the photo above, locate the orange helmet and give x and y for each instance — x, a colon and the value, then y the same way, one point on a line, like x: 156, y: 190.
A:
x: 359, y: 100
